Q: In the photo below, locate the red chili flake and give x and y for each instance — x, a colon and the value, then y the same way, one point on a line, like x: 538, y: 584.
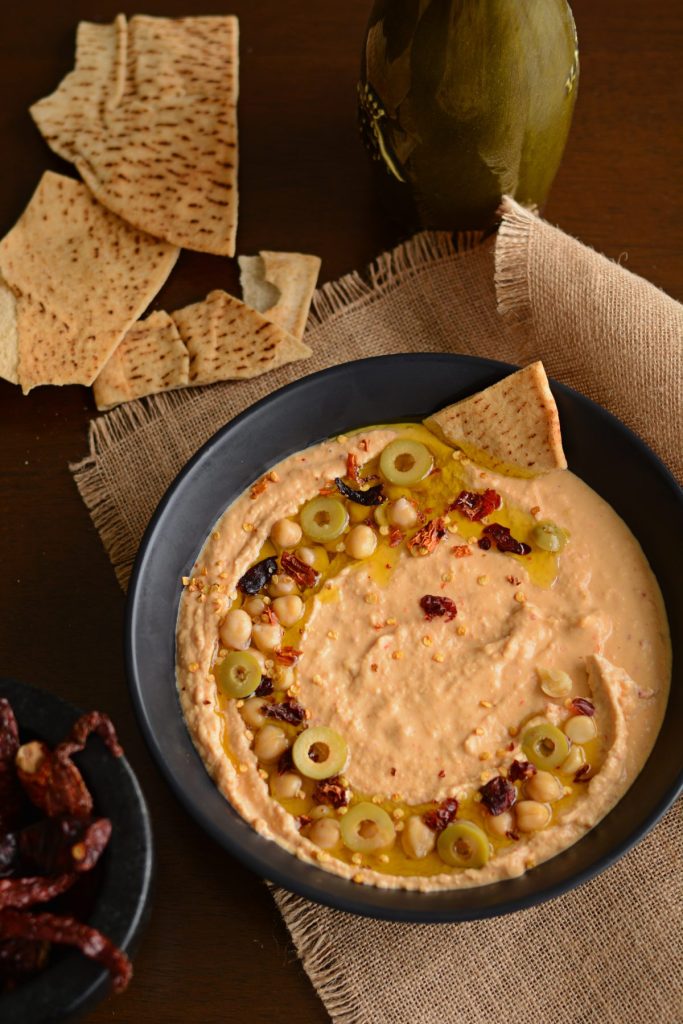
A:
x: 374, y: 667
x: 584, y: 773
x: 26, y: 892
x: 264, y: 687
x: 363, y: 445
x: 392, y: 771
x: 269, y: 616
x: 442, y: 774
x: 461, y: 550
x: 520, y: 770
x: 64, y: 844
x: 304, y: 575
x: 327, y: 491
x: 498, y: 795
x: 258, y: 488
x: 442, y: 815
x: 426, y: 539
x: 287, y: 656
x: 500, y: 535
x: 582, y: 706
x: 303, y: 820
x: 475, y: 505
x: 434, y: 606
x: 395, y: 536
x: 67, y: 931
x: 512, y: 835
x: 331, y: 791
x: 352, y: 468
x: 289, y: 711
x: 513, y: 581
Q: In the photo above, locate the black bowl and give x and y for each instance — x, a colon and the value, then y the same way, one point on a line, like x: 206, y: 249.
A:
x: 599, y: 448
x: 71, y: 984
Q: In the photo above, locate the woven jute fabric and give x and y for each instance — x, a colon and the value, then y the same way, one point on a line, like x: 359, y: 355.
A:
x: 610, y: 952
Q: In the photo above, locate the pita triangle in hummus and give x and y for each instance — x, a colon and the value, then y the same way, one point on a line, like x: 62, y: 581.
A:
x: 148, y: 117
x: 280, y: 285
x: 512, y: 427
x: 79, y: 277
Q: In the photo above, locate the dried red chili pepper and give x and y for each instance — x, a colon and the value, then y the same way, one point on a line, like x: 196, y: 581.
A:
x: 287, y: 656
x: 435, y: 607
x: 426, y: 539
x: 521, y: 770
x: 91, y: 722
x: 476, y: 505
x: 331, y: 791
x: 258, y: 576
x: 500, y: 535
x: 10, y: 791
x: 57, y: 845
x: 582, y: 706
x: 498, y: 795
x: 54, y: 785
x: 395, y: 536
x: 304, y: 575
x: 352, y: 468
x: 289, y: 711
x: 442, y: 815
x: 264, y: 687
x: 67, y: 931
x: 25, y: 892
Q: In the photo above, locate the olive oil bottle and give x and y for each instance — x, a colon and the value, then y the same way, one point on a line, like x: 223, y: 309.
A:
x: 462, y: 101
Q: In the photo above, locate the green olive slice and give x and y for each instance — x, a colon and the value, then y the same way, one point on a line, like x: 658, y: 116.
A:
x: 462, y: 844
x: 319, y: 752
x: 323, y: 518
x: 405, y: 462
x: 238, y: 674
x: 545, y: 745
x: 548, y: 537
x: 366, y: 827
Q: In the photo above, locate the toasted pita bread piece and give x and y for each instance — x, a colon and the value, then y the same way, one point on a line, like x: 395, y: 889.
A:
x: 151, y: 358
x: 280, y: 285
x: 9, y: 342
x: 81, y: 277
x: 230, y: 341
x: 149, y: 118
x: 512, y: 427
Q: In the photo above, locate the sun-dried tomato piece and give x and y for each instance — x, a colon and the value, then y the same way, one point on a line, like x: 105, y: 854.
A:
x: 435, y: 607
x: 331, y: 791
x: 498, y: 795
x: 372, y: 496
x: 289, y: 711
x: 264, y: 687
x: 258, y: 576
x: 304, y: 575
x: 287, y: 656
x: 500, y: 535
x: 25, y: 892
x: 395, y: 536
x: 58, y: 845
x: 352, y: 467
x: 520, y: 770
x: 476, y: 505
x: 442, y: 815
x: 582, y: 706
x: 584, y: 774
x: 92, y: 721
x: 426, y: 539
x: 53, y: 784
x: 67, y: 931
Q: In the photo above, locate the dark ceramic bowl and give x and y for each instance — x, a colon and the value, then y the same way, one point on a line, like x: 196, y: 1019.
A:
x: 71, y: 984
x: 599, y: 449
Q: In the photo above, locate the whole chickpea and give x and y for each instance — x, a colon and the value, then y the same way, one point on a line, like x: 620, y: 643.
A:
x: 417, y: 839
x: 288, y: 609
x: 305, y: 555
x: 270, y: 743
x: 500, y: 824
x: 260, y: 657
x: 254, y: 606
x: 544, y: 787
x: 324, y: 833
x: 361, y: 541
x: 281, y: 586
x: 286, y: 533
x: 320, y: 811
x: 286, y: 786
x: 402, y: 513
x: 252, y: 714
x: 532, y: 816
x: 235, y: 630
x: 267, y: 636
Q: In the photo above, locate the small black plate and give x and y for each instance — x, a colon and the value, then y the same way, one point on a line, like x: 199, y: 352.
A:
x: 72, y: 984
x: 611, y: 459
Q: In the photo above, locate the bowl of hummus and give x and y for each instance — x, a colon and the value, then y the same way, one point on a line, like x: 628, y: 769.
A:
x: 417, y: 668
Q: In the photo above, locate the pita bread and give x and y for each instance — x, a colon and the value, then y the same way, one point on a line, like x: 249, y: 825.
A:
x: 151, y: 358
x: 9, y: 344
x: 280, y: 285
x: 148, y: 116
x: 81, y: 277
x: 230, y: 341
x: 512, y: 426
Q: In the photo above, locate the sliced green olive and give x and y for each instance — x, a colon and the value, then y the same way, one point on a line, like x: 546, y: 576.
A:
x: 545, y: 745
x: 548, y: 537
x: 324, y: 519
x: 319, y: 752
x: 462, y: 844
x: 366, y: 827
x: 238, y: 674
x: 405, y: 462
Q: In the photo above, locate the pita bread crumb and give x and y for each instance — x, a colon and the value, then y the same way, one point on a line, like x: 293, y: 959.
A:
x: 512, y: 427
x: 149, y: 118
x: 151, y: 358
x: 81, y: 277
x: 280, y: 285
x: 9, y: 343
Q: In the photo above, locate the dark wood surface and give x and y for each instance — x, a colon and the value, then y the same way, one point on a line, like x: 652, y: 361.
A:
x: 216, y: 949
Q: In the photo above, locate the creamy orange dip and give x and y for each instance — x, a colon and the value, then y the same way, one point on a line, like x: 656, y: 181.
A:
x: 430, y: 710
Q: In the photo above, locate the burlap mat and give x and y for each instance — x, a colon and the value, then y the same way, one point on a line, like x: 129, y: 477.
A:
x: 612, y: 951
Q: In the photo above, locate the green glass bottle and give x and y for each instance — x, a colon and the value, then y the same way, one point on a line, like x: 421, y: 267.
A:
x: 462, y: 101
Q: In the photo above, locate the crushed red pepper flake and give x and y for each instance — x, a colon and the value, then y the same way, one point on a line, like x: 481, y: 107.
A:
x: 426, y: 539
x: 395, y: 536
x: 304, y: 575
x: 582, y: 706
x: 584, y: 773
x: 392, y: 771
x: 258, y: 488
x: 442, y: 774
x: 461, y: 550
x: 352, y: 467
x: 331, y: 791
x: 287, y: 656
x: 513, y: 581
x: 476, y: 505
x: 436, y: 606
x: 363, y: 444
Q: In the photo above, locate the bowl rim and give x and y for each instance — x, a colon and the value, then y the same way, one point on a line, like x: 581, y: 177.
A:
x: 317, y: 885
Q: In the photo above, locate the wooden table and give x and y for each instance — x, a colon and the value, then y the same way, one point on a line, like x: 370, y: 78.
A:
x: 216, y: 949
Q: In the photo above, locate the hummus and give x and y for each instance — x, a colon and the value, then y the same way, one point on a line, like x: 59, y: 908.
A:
x: 435, y: 705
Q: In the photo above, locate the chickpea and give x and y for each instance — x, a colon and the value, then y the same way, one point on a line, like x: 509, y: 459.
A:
x: 251, y: 712
x: 580, y: 729
x: 417, y: 839
x: 532, y: 816
x: 402, y: 513
x: 321, y: 811
x: 324, y: 833
x: 283, y: 677
x: 574, y: 760
x: 286, y: 533
x: 270, y: 743
x: 500, y: 824
x: 260, y: 657
x: 288, y: 609
x: 305, y: 555
x: 287, y: 786
x: 281, y: 586
x: 254, y: 606
x: 235, y: 630
x: 544, y: 787
x: 267, y: 636
x: 361, y: 541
